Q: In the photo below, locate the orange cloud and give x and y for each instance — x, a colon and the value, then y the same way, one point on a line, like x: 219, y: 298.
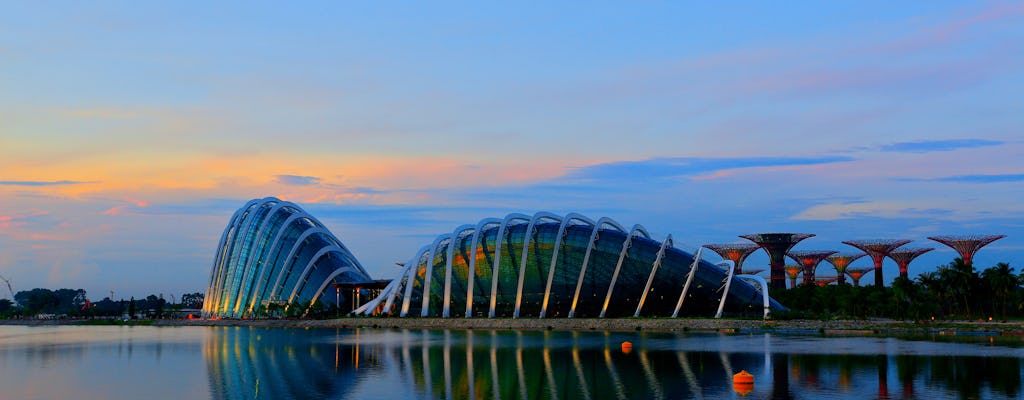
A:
x: 116, y: 210
x: 137, y: 203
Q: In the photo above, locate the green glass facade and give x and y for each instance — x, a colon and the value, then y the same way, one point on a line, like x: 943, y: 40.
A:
x: 549, y: 266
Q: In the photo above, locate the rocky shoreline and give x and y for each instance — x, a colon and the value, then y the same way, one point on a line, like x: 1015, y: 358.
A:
x: 836, y: 327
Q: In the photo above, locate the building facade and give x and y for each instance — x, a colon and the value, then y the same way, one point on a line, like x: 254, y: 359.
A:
x: 274, y: 254
x: 547, y: 265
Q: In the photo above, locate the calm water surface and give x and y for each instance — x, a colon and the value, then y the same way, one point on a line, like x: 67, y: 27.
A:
x: 70, y: 362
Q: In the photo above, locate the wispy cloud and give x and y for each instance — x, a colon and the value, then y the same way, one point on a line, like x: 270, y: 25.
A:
x: 41, y: 183
x: 691, y: 166
x: 297, y: 180
x: 927, y: 146
x: 993, y: 178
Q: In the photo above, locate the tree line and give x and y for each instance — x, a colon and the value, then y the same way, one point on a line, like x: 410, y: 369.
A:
x: 74, y: 303
x: 952, y: 291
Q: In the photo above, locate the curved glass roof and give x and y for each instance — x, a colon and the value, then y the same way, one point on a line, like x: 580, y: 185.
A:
x: 273, y: 252
x: 552, y: 266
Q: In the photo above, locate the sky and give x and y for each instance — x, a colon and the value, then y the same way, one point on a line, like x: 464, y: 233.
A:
x: 130, y: 133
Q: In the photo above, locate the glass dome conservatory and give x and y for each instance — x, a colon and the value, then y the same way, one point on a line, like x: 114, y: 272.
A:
x: 547, y: 265
x: 274, y: 253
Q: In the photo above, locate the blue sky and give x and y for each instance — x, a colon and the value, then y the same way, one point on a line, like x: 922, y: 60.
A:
x: 129, y: 133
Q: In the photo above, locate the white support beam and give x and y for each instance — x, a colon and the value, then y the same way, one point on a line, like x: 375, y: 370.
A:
x: 689, y: 280
x: 654, y: 269
x: 554, y: 257
x: 471, y: 273
x: 530, y: 232
x: 496, y: 268
x: 430, y: 272
x: 456, y: 235
x: 618, y: 265
x: 411, y: 280
x: 764, y: 291
x: 586, y: 258
x: 730, y: 267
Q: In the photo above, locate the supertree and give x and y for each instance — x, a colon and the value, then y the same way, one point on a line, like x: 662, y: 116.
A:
x: 776, y: 245
x: 856, y: 274
x: 841, y: 261
x: 967, y: 245
x: 792, y: 272
x: 825, y: 280
x: 735, y: 252
x: 809, y: 259
x: 903, y: 257
x: 877, y: 249
x: 754, y: 271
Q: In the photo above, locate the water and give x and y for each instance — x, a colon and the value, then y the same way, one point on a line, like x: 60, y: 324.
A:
x: 96, y: 362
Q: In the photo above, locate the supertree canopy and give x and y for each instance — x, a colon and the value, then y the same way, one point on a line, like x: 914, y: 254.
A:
x: 735, y: 252
x: 809, y: 259
x: 903, y: 257
x: 792, y: 272
x: 841, y: 261
x: 967, y: 245
x: 777, y: 245
x: 856, y: 274
x: 877, y: 249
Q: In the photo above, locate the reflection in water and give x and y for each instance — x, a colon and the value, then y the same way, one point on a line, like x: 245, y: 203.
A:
x: 293, y: 363
x: 249, y: 363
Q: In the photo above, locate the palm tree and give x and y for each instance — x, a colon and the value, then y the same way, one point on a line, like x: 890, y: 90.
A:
x: 1003, y: 282
x: 960, y: 280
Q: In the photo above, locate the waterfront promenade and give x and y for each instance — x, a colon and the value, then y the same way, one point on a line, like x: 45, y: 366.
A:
x: 835, y: 327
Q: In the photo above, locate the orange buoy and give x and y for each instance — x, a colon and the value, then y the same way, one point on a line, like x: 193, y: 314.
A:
x: 743, y: 377
x: 743, y: 388
x: 743, y: 382
x: 627, y: 347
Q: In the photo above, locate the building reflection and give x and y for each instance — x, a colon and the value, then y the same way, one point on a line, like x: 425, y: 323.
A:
x: 287, y: 363
x: 280, y: 364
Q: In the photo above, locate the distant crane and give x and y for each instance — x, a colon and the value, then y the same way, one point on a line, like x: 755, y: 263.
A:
x: 9, y: 288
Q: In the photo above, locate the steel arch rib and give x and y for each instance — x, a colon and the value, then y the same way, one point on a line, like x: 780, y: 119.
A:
x: 654, y: 269
x: 689, y: 281
x: 399, y: 285
x: 471, y: 274
x: 554, y: 257
x: 411, y: 280
x: 260, y: 289
x: 248, y: 225
x: 316, y: 257
x: 291, y: 253
x: 496, y: 260
x: 522, y: 260
x: 586, y: 258
x: 252, y: 230
x: 214, y: 270
x: 228, y: 274
x: 618, y: 265
x: 764, y: 291
x: 245, y: 294
x: 456, y: 234
x: 728, y: 284
x: 320, y: 291
x: 430, y: 272
x: 388, y: 293
x: 225, y: 253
